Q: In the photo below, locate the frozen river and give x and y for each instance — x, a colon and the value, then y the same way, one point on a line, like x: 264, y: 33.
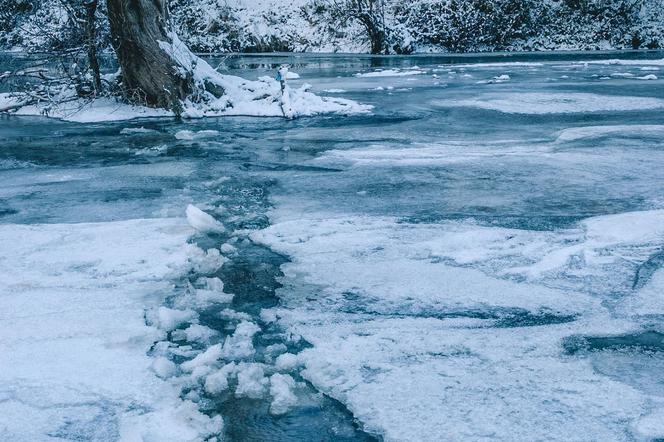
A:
x: 480, y: 258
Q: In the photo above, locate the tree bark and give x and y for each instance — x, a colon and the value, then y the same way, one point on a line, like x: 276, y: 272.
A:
x: 150, y: 75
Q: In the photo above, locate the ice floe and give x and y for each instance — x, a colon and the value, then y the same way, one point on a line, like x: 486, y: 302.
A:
x: 137, y: 130
x: 391, y: 73
x: 240, y: 344
x: 507, y: 64
x: 190, y: 135
x: 251, y: 381
x: 556, y: 103
x: 281, y: 390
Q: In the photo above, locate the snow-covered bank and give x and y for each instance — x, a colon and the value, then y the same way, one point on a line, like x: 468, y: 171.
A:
x: 73, y: 354
x: 244, y: 98
x: 233, y: 96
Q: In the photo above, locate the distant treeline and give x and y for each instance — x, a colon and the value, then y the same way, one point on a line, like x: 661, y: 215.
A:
x: 378, y: 26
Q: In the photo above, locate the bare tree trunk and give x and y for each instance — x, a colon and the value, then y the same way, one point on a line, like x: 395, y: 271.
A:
x: 371, y: 15
x: 150, y: 75
x: 375, y: 32
x: 91, y: 37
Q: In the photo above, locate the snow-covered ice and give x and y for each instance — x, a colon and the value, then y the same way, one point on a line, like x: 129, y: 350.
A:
x: 591, y: 132
x: 74, y: 361
x: 414, y: 346
x: 621, y: 62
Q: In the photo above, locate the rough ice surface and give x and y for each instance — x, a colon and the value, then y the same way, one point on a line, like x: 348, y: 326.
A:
x: 74, y: 350
x: 432, y: 350
x: 391, y: 263
x: 450, y: 272
x: 457, y: 286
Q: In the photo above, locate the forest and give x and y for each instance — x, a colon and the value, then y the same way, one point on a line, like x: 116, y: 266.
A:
x: 358, y: 26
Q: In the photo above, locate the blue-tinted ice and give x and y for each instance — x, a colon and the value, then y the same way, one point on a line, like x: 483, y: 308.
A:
x: 479, y: 259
